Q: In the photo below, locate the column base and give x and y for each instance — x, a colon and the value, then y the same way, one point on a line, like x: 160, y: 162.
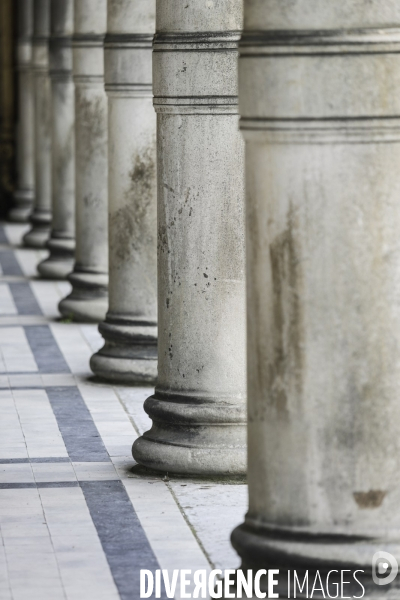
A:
x: 129, y: 354
x: 294, y: 550
x: 38, y: 235
x: 60, y: 262
x: 88, y: 301
x: 194, y: 436
x: 23, y: 200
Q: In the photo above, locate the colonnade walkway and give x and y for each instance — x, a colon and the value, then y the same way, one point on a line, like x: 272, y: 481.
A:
x: 78, y: 520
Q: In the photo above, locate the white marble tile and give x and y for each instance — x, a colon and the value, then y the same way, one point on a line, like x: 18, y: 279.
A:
x: 4, y: 382
x: 29, y: 259
x: 117, y: 431
x: 7, y: 305
x: 213, y: 510
x: 5, y: 590
x: 39, y: 425
x: 53, y: 472
x: 16, y: 473
x: 48, y: 295
x: 92, y: 471
x: 64, y: 287
x: 73, y: 346
x: 21, y: 518
x: 92, y: 336
x: 32, y: 381
x: 133, y: 399
x: 12, y: 441
x: 58, y: 379
x: 154, y: 502
x: 21, y: 320
x: 15, y: 232
x: 15, y: 351
x: 13, y: 450
x: 84, y: 564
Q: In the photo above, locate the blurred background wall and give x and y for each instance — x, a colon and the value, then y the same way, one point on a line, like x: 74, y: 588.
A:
x: 7, y: 104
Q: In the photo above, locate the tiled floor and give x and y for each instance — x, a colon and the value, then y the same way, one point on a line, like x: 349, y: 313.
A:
x: 75, y: 522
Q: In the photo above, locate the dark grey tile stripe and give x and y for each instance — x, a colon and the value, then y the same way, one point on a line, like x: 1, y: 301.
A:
x: 80, y: 434
x: 123, y: 539
x: 15, y: 323
x: 56, y: 459
x: 3, y: 237
x: 7, y: 386
x: 124, y: 542
x: 13, y: 373
x: 24, y: 298
x: 37, y: 386
x: 44, y: 347
x: 41, y: 484
x: 9, y: 263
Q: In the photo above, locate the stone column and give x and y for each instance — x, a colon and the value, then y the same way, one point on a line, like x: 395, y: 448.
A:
x: 88, y: 299
x: 62, y: 238
x: 130, y: 329
x: 41, y: 215
x: 320, y: 113
x: 25, y: 192
x: 198, y: 409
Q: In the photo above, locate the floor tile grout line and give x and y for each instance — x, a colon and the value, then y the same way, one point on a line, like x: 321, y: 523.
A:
x: 20, y: 423
x: 2, y: 358
x: 52, y: 545
x: 189, y: 524
x: 7, y: 565
x: 131, y: 419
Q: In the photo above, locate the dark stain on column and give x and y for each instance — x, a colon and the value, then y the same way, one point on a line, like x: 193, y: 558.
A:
x: 371, y: 499
x: 130, y: 220
x: 287, y: 321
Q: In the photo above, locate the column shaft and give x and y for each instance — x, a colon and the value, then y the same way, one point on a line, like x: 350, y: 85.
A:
x: 320, y: 113
x: 198, y: 409
x: 130, y: 328
x: 88, y: 299
x: 62, y: 238
x: 25, y: 191
x: 41, y: 214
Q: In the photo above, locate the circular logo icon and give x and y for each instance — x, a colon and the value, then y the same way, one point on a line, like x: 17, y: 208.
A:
x: 384, y: 568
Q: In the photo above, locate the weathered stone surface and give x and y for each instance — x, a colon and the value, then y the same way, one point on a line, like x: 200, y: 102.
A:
x: 41, y: 214
x: 130, y: 329
x: 25, y: 192
x: 89, y: 279
x: 198, y: 408
x: 320, y: 113
x: 62, y: 238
